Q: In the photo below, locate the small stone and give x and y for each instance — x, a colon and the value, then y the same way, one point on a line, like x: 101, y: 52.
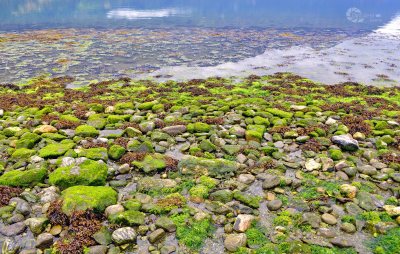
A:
x: 243, y: 222
x: 113, y: 209
x: 348, y: 190
x: 45, y: 129
x: 235, y: 241
x: 156, y: 235
x: 124, y: 235
x: 313, y: 219
x: 329, y: 219
x: 312, y: 165
x: 13, y: 229
x: 341, y: 242
x: 246, y: 178
x: 274, y: 205
x: 271, y: 181
x: 44, y: 241
x: 348, y: 228
x: 55, y: 230
x: 368, y: 170
x: 167, y: 249
x: 174, y: 130
x: 97, y: 249
x: 37, y: 225
x: 392, y: 210
x: 124, y: 168
x: 359, y: 136
x: 166, y: 223
x: 330, y: 121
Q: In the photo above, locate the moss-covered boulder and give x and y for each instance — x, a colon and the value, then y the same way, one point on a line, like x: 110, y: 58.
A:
x: 151, y: 163
x: 28, y: 140
x: 80, y: 198
x: 279, y: 113
x: 55, y: 150
x: 198, y: 127
x: 97, y: 121
x: 26, y: 178
x: 22, y: 154
x: 128, y: 218
x: 86, y: 131
x: 87, y: 173
x: 96, y: 153
x: 191, y: 165
x: 115, y: 152
x: 147, y: 184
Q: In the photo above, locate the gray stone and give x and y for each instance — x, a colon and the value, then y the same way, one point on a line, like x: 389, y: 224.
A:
x: 329, y: 219
x: 44, y: 241
x: 156, y: 235
x: 313, y: 219
x: 274, y: 205
x: 367, y: 170
x: 365, y: 201
x: 98, y: 249
x: 346, y: 142
x: 235, y: 241
x: 174, y: 130
x: 37, y: 225
x: 124, y: 235
x: 167, y: 249
x: 166, y: 223
x: 271, y: 181
x: 13, y: 229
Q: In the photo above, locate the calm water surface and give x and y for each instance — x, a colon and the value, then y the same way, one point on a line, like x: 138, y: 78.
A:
x: 329, y: 40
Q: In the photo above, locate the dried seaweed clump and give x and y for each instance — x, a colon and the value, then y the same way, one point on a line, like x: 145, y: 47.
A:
x: 214, y: 121
x: 279, y: 129
x: 312, y: 145
x: 83, y: 224
x: 66, y: 124
x: 130, y: 157
x: 122, y: 141
x: 171, y: 163
x: 356, y: 124
x: 56, y: 215
x: 91, y: 143
x: 388, y: 158
x: 7, y: 193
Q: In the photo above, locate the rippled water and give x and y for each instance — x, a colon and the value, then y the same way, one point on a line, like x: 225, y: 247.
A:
x: 330, y: 41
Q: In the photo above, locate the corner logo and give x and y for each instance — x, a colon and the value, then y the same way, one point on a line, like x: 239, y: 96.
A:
x: 355, y: 15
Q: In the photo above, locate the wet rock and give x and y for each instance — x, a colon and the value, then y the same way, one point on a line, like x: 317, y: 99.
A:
x: 243, y: 222
x: 271, y: 181
x: 37, y: 225
x: 313, y: 219
x: 13, y: 229
x: 44, y: 241
x: 366, y: 201
x: 166, y: 223
x: 348, y: 190
x: 156, y: 235
x: 346, y: 142
x: 190, y: 165
x: 103, y: 236
x: 98, y: 249
x: 311, y: 165
x: 274, y: 205
x: 348, y: 228
x: 235, y: 241
x: 329, y: 219
x: 124, y: 235
x: 246, y: 178
x: 174, y: 130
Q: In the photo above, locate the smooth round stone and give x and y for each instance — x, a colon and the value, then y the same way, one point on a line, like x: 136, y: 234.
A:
x: 348, y: 227
x: 56, y: 230
x: 329, y: 219
x: 274, y: 205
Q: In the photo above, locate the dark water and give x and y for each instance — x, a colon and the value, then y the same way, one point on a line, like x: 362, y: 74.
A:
x: 327, y: 40
x: 343, y: 14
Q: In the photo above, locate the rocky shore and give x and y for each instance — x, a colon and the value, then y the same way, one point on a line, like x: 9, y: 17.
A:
x: 274, y: 164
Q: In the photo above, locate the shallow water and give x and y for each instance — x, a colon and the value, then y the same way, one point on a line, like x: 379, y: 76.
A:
x: 329, y: 41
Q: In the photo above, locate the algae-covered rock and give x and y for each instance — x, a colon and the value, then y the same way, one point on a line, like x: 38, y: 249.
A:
x: 97, y: 121
x: 154, y: 184
x: 96, y: 153
x: 279, y: 113
x: 191, y: 165
x: 26, y: 178
x: 198, y: 127
x: 86, y: 131
x: 80, y: 198
x: 115, y: 152
x: 55, y: 150
x: 152, y: 162
x: 128, y: 218
x: 87, y: 173
x: 28, y: 140
x: 22, y: 154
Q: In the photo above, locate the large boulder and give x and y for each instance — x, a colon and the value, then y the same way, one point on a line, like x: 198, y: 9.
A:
x: 81, y: 198
x: 87, y: 173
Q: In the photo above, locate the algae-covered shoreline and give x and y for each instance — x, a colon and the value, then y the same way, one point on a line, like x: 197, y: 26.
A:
x: 271, y: 164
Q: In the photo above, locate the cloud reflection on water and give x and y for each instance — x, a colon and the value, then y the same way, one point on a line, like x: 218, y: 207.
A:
x: 132, y: 14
